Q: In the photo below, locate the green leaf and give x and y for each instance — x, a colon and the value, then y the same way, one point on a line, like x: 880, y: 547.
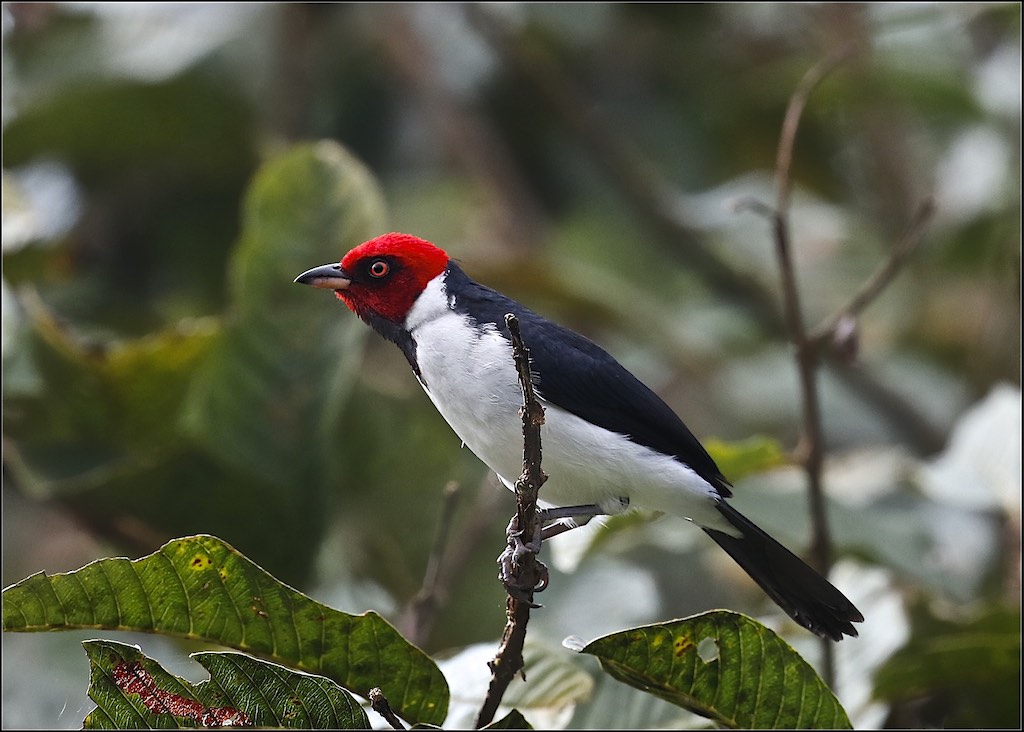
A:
x: 114, y: 395
x: 200, y: 588
x: 105, y: 425
x: 724, y: 666
x: 739, y: 459
x: 305, y: 207
x: 267, y: 400
x: 134, y: 692
x: 225, y: 420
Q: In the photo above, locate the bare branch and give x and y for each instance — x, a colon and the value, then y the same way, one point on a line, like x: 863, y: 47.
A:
x: 812, y: 444
x: 878, y: 281
x: 418, y: 618
x: 528, y: 573
x: 807, y: 362
x: 794, y: 111
x: 379, y: 703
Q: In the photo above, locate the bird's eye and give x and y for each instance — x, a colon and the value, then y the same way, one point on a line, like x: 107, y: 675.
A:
x: 379, y: 268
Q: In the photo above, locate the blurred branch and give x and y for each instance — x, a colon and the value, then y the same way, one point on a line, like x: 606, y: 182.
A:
x: 875, y: 284
x: 812, y: 447
x: 654, y: 200
x: 812, y: 441
x: 791, y: 122
x: 291, y: 94
x: 418, y: 619
x: 527, y: 572
x: 806, y: 355
x: 440, y: 578
x: 637, y: 180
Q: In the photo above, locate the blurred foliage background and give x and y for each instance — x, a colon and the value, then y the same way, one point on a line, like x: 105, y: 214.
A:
x: 169, y: 168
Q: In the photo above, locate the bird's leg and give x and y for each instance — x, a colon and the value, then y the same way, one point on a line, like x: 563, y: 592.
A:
x: 556, y: 520
x: 561, y: 526
x: 580, y: 516
x: 559, y: 512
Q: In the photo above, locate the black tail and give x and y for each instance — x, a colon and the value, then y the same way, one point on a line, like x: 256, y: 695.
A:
x: 805, y: 595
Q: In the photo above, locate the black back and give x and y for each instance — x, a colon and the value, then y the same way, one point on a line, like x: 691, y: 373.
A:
x: 575, y: 374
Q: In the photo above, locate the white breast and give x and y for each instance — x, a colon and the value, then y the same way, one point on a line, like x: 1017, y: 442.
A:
x: 470, y: 376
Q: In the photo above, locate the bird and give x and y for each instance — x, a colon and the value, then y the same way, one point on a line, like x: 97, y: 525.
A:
x: 610, y: 443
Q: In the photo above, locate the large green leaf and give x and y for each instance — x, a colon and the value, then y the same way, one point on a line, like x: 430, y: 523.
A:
x: 104, y: 425
x: 724, y: 666
x: 132, y: 691
x: 267, y: 399
x: 227, y: 420
x: 113, y: 398
x: 201, y: 588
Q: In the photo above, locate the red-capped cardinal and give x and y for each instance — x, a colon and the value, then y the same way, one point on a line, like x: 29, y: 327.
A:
x: 609, y: 441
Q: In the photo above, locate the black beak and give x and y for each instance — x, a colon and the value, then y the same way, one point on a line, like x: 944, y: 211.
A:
x: 326, y: 276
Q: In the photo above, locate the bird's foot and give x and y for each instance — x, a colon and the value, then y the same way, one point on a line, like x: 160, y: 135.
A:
x: 521, y: 575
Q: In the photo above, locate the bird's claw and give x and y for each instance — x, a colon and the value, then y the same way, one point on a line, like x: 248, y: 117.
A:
x: 512, y: 561
x: 542, y: 579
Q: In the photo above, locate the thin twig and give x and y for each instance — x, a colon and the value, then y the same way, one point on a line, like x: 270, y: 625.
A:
x: 878, y: 281
x: 806, y: 356
x: 508, y: 661
x: 812, y: 443
x: 794, y: 111
x: 379, y: 703
x: 421, y: 612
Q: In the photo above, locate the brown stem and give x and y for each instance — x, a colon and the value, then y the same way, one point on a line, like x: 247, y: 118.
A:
x: 508, y: 661
x: 790, y: 123
x: 878, y: 281
x: 379, y: 703
x: 812, y: 442
x: 418, y: 619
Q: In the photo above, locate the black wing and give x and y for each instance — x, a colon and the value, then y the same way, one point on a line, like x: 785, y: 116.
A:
x: 575, y: 374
